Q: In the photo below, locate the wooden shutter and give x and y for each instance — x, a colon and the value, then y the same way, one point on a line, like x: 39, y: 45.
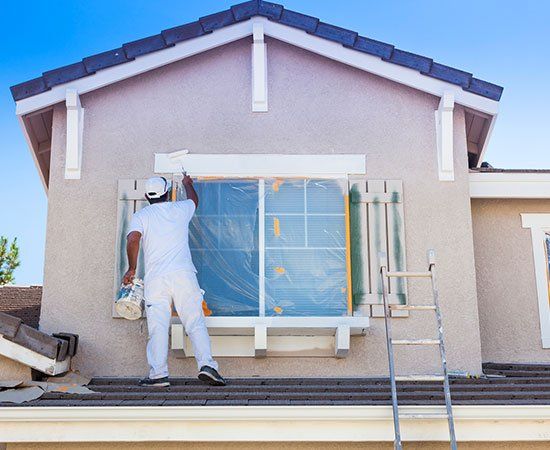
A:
x: 131, y: 198
x: 377, y: 225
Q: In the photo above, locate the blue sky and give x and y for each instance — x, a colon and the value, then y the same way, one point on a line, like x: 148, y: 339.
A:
x: 508, y: 45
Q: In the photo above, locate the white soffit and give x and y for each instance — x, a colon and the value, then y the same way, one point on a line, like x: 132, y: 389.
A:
x: 299, y: 38
x: 509, y: 185
x: 261, y: 165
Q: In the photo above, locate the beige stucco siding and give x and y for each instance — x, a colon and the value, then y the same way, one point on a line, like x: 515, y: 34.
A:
x: 508, y: 306
x: 204, y: 104
x: 12, y: 370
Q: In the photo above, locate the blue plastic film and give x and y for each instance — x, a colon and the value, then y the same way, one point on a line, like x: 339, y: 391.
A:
x: 295, y: 231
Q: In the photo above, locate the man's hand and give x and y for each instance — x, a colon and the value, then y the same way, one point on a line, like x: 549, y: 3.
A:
x: 187, y: 180
x: 129, y: 276
x: 190, y: 192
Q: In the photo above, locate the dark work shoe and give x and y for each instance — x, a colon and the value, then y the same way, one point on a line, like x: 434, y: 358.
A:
x: 159, y: 382
x: 211, y: 376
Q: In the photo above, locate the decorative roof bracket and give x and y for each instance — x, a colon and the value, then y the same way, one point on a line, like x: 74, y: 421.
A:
x: 444, y: 134
x: 75, y: 127
x: 259, y: 69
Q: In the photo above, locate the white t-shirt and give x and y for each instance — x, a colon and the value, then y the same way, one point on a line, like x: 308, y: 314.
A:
x: 164, y: 228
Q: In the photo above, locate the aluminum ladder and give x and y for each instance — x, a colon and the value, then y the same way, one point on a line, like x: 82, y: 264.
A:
x: 390, y: 342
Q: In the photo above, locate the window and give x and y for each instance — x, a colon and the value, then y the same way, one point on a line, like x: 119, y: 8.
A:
x: 273, y: 247
x: 279, y: 247
x: 540, y: 237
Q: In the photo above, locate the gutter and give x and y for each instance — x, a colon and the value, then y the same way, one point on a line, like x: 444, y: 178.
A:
x: 269, y: 423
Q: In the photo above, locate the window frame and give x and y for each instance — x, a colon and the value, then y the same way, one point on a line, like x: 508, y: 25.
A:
x: 263, y: 247
x: 539, y: 223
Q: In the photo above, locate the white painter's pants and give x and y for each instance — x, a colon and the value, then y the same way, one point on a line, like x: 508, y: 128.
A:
x: 183, y: 289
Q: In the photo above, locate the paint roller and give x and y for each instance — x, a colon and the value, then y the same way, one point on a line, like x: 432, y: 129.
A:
x: 173, y: 158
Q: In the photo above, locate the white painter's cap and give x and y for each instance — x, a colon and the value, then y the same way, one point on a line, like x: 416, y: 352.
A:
x: 156, y: 187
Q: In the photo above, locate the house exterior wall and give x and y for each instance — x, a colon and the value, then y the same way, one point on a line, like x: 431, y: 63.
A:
x: 507, y: 293
x: 204, y: 104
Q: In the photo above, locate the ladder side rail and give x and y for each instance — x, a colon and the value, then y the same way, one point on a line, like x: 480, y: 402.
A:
x: 387, y: 323
x: 446, y: 384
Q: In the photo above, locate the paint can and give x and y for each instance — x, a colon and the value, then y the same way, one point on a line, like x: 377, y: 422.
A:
x: 129, y: 303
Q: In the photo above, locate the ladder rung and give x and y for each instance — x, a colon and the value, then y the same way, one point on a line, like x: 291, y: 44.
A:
x: 415, y: 341
x: 422, y: 416
x: 408, y: 274
x: 419, y: 378
x: 413, y: 307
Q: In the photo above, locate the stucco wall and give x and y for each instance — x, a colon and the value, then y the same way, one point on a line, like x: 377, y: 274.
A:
x: 12, y: 370
x: 508, y: 306
x: 204, y: 104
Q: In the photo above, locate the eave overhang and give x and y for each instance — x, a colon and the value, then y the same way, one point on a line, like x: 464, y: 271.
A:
x: 480, y: 98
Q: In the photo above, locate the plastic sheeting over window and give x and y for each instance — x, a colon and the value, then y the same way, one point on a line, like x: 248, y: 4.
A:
x: 271, y: 246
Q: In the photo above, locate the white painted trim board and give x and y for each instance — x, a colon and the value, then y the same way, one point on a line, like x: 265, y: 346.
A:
x: 270, y: 423
x: 262, y: 165
x: 299, y: 38
x: 509, y: 185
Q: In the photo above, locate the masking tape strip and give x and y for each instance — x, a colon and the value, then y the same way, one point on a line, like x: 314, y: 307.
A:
x: 276, y: 185
x: 348, y: 255
x: 276, y: 227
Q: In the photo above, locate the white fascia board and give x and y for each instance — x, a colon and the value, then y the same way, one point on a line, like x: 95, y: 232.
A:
x: 299, y: 38
x: 377, y: 66
x: 139, y: 65
x: 261, y: 165
x: 269, y: 423
x: 509, y: 185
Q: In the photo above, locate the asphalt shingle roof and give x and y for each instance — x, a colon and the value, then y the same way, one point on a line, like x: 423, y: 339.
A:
x: 511, y: 384
x: 244, y: 11
x: 22, y: 302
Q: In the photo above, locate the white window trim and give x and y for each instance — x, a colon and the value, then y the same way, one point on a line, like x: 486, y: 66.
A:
x: 540, y: 225
x: 257, y: 336
x: 248, y: 336
x: 261, y: 165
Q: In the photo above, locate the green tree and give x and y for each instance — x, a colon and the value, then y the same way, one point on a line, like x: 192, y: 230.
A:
x: 9, y: 260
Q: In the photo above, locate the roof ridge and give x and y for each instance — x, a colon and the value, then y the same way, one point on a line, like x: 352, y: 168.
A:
x: 244, y: 11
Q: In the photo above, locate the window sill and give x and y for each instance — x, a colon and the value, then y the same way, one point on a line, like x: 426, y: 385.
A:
x: 275, y: 336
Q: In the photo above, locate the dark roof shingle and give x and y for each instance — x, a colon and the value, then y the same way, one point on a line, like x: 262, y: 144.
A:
x: 23, y: 302
x: 505, y: 384
x: 244, y: 11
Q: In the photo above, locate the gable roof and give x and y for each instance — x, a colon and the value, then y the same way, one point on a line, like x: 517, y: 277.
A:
x: 244, y: 11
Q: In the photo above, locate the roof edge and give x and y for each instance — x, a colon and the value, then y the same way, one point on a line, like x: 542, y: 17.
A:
x: 293, y: 423
x: 241, y: 12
